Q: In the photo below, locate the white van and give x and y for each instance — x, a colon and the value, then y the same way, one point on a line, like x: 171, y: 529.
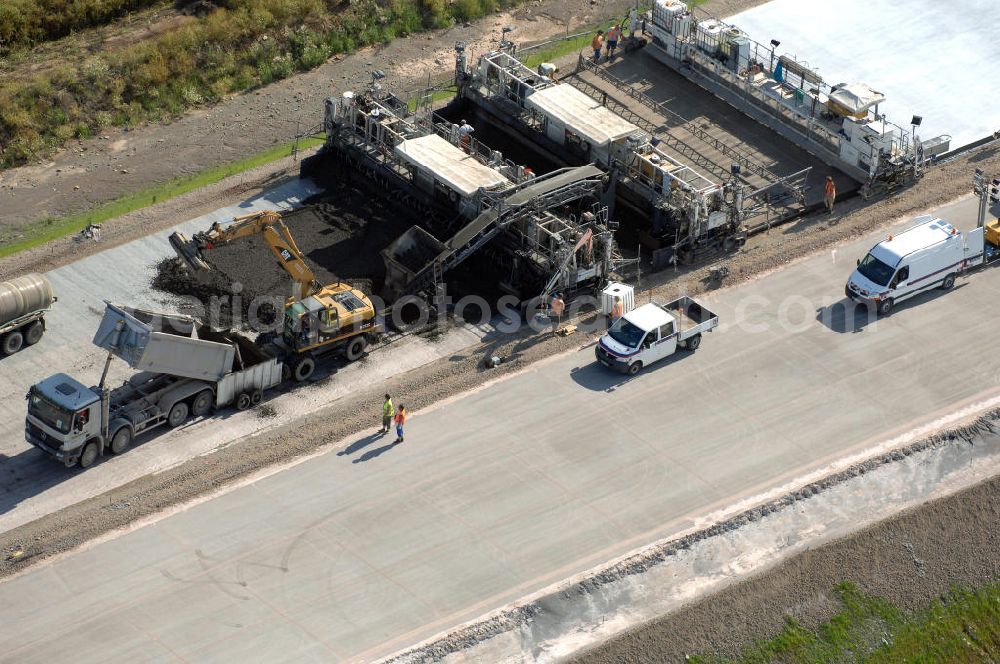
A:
x: 930, y: 254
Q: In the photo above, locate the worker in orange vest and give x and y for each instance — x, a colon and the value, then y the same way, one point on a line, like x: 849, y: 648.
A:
x: 617, y: 311
x: 597, y: 43
x: 557, y: 308
x: 829, y: 194
x: 400, y: 421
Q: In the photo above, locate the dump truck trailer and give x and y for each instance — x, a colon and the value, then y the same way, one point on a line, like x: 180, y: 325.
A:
x: 24, y: 301
x: 185, y: 370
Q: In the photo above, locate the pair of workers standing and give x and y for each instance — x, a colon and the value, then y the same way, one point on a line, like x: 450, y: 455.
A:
x: 392, y: 416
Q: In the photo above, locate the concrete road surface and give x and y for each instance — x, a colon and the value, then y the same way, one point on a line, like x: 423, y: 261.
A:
x: 353, y: 555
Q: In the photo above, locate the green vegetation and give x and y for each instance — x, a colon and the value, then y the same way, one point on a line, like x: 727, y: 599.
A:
x: 24, y: 23
x: 558, y: 49
x: 962, y: 627
x: 36, y: 233
x: 245, y: 44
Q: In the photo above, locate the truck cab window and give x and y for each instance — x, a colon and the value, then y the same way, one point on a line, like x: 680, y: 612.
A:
x: 666, y: 331
x: 901, y: 276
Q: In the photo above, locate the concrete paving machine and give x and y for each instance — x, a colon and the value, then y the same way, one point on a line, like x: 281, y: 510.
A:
x: 318, y: 320
x: 839, y: 123
x: 537, y: 231
x: 676, y: 210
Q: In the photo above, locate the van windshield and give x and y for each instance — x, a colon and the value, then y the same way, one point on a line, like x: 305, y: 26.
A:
x: 875, y: 270
x: 626, y: 333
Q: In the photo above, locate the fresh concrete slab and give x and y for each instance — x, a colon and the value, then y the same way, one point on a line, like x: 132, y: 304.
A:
x: 523, y: 483
x: 930, y: 58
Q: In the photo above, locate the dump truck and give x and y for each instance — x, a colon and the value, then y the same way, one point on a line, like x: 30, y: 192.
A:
x: 184, y: 370
x: 319, y: 320
x: 24, y: 301
x: 653, y: 331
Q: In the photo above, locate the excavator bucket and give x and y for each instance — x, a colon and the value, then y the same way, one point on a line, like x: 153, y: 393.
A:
x: 189, y: 253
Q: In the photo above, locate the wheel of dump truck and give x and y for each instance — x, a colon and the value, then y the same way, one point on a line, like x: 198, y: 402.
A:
x: 12, y: 342
x: 256, y: 397
x: 177, y: 415
x: 303, y: 367
x: 121, y: 440
x: 356, y: 348
x: 243, y: 401
x: 33, y: 333
x: 694, y: 342
x: 202, y: 403
x: 89, y: 455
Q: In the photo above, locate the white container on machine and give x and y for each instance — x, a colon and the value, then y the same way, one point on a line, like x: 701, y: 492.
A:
x: 615, y: 289
x: 708, y: 35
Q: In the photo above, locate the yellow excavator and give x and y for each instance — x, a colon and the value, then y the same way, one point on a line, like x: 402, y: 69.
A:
x: 317, y: 320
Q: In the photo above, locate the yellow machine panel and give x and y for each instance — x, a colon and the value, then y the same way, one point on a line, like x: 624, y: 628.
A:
x: 993, y: 232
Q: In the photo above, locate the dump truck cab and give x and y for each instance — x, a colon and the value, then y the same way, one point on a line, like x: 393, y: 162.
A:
x: 63, y: 414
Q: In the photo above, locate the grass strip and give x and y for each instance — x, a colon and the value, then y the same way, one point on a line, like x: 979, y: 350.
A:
x: 963, y: 626
x: 36, y: 233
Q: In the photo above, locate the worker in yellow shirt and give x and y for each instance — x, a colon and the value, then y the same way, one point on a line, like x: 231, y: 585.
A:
x: 388, y: 410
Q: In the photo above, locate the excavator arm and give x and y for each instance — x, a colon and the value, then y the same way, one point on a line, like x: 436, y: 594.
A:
x: 267, y: 224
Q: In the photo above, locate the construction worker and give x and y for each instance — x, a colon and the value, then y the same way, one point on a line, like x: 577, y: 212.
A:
x: 400, y: 420
x: 597, y: 43
x: 614, y: 33
x: 617, y: 311
x: 829, y: 194
x: 465, y: 135
x: 388, y: 410
x: 556, y: 309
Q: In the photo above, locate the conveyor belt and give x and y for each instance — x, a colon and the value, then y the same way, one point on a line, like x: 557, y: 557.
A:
x: 491, y: 221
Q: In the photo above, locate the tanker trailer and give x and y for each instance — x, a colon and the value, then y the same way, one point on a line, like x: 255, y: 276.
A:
x: 24, y: 301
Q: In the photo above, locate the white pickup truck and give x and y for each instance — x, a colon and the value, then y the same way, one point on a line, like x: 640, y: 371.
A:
x: 652, y: 332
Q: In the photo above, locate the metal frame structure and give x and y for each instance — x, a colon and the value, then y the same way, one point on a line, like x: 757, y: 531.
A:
x: 689, y: 211
x: 365, y: 129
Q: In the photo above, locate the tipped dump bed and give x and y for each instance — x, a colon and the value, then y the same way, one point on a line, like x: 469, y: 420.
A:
x: 164, y: 343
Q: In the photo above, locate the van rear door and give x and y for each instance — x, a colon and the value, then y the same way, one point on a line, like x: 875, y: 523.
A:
x: 974, y: 247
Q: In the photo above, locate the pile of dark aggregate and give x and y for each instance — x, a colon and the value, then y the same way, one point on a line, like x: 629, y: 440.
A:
x: 340, y: 235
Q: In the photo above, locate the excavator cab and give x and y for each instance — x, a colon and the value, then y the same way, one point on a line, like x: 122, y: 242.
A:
x: 329, y: 316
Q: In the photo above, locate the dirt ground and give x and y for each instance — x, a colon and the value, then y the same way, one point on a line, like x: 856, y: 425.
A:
x: 909, y: 560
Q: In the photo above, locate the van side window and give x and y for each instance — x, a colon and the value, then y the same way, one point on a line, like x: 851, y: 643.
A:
x: 901, y: 276
x: 666, y: 330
